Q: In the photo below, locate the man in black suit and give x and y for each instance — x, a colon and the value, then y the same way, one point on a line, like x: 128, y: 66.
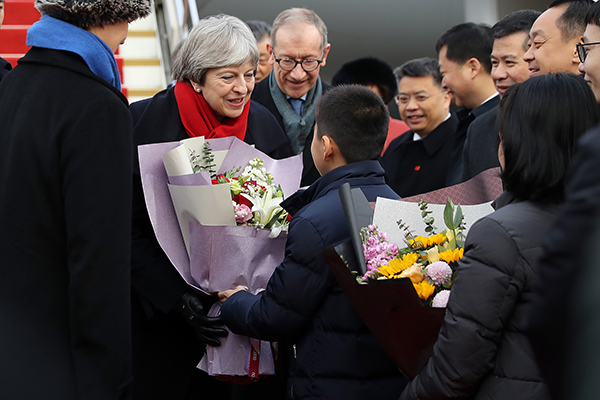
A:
x: 417, y: 161
x: 511, y: 35
x: 297, y: 51
x: 464, y: 57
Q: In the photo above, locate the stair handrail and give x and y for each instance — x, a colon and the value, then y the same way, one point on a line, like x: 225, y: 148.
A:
x: 179, y: 17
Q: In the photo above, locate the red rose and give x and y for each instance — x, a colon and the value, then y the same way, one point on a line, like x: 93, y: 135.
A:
x: 239, y: 199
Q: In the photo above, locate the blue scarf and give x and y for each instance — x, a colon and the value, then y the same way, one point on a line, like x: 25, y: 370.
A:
x: 52, y: 33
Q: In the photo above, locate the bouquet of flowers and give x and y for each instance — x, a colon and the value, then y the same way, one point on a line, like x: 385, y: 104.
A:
x: 254, y: 195
x: 406, y: 282
x: 194, y: 194
x: 429, y: 261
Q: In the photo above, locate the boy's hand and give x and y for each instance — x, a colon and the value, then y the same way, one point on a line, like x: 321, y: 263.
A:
x: 224, y: 295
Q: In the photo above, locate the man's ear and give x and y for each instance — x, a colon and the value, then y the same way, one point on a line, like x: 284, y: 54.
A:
x: 271, y: 54
x: 329, y: 147
x: 474, y: 67
x: 575, y: 55
x: 325, y: 54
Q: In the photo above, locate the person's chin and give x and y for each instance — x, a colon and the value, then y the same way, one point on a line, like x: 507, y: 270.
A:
x: 297, y: 90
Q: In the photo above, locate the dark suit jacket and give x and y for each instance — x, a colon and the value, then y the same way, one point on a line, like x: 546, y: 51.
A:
x: 414, y: 167
x: 480, y: 151
x: 262, y: 94
x: 465, y: 118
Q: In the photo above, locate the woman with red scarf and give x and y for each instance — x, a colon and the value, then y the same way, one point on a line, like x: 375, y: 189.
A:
x: 214, y: 70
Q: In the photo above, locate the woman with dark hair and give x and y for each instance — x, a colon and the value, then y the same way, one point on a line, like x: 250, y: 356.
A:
x: 482, y: 351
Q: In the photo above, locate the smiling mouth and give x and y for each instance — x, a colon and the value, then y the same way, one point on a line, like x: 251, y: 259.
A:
x: 236, y: 102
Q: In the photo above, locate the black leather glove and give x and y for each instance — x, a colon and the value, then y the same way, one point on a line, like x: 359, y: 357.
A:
x: 194, y: 307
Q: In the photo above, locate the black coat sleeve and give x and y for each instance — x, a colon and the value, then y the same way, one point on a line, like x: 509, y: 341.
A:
x: 153, y: 277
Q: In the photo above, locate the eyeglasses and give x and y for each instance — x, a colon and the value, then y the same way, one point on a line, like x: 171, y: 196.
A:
x: 288, y: 64
x: 581, y: 51
x: 419, y: 98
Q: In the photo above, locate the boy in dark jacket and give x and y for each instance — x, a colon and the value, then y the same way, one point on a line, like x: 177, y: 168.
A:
x: 334, y: 356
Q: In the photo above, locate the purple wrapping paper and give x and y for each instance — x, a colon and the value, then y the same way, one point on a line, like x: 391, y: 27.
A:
x: 251, y: 258
x: 225, y: 256
x: 160, y: 207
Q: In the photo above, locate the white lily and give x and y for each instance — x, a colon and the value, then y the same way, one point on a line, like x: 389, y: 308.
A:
x: 265, y: 208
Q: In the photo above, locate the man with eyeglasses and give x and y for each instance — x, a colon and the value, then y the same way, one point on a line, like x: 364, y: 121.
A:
x: 297, y: 51
x: 554, y: 35
x: 511, y: 35
x: 417, y: 161
x: 589, y: 52
x: 464, y: 57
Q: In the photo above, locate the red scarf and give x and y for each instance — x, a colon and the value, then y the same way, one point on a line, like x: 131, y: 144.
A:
x: 200, y: 120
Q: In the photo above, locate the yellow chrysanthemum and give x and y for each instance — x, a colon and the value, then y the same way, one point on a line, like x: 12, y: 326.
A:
x: 452, y: 255
x: 424, y: 289
x: 397, y: 265
x: 427, y: 241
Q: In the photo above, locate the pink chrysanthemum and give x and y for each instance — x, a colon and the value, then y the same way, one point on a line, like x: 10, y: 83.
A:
x: 441, y: 299
x: 438, y: 273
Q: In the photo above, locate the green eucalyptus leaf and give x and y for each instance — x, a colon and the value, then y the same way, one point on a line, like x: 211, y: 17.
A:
x: 448, y: 214
x: 458, y: 217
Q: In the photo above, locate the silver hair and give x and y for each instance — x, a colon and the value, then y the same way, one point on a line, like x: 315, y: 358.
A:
x: 215, y: 42
x: 299, y: 15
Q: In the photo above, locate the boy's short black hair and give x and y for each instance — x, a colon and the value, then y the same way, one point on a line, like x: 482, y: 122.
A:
x: 466, y: 41
x: 356, y: 119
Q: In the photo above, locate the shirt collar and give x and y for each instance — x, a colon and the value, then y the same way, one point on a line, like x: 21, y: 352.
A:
x: 303, y: 97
